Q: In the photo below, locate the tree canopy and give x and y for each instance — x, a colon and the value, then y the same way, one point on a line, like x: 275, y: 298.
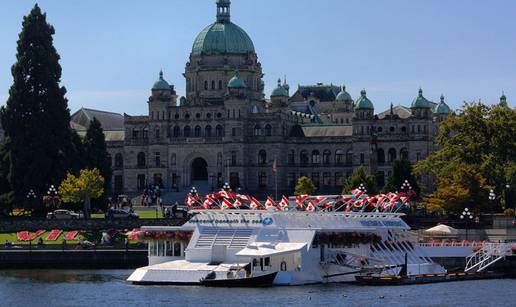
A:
x: 95, y: 151
x: 401, y: 170
x: 304, y: 186
x: 358, y: 177
x: 38, y: 150
x: 90, y: 184
x: 477, y: 152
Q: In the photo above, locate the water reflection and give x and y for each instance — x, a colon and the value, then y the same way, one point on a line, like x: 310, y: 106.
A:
x: 62, y: 276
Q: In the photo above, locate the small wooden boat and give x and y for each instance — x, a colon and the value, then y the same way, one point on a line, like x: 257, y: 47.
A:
x: 248, y: 282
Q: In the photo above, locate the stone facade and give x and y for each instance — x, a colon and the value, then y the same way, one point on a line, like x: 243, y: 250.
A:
x: 224, y: 130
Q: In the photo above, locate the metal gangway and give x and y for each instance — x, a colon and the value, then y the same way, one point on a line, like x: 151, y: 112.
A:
x: 486, y: 256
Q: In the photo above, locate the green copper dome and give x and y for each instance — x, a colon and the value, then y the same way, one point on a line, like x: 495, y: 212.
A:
x: 343, y: 95
x: 236, y: 81
x: 161, y: 84
x: 420, y: 101
x: 442, y: 107
x: 223, y: 36
x: 279, y: 91
x: 363, y: 102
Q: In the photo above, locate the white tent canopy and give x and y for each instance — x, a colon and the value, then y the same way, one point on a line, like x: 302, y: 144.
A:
x: 442, y: 229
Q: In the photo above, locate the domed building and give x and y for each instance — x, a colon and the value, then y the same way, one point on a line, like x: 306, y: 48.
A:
x: 225, y: 130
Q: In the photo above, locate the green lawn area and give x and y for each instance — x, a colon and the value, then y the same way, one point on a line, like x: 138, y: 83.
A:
x: 12, y: 237
x: 141, y: 214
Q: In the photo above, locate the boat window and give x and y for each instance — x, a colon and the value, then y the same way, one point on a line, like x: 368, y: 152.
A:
x: 283, y: 266
x: 177, y: 249
x: 169, y: 252
x: 267, y: 261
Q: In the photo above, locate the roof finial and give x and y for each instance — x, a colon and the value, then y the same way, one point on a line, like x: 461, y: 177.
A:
x: 420, y: 92
x: 161, y: 74
x: 442, y: 98
x: 223, y: 11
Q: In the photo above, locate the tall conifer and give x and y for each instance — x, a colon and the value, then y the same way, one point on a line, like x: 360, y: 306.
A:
x: 96, y: 155
x: 36, y: 118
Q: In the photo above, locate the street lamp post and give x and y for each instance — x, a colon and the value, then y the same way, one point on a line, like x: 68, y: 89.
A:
x: 492, y: 197
x: 406, y: 187
x: 226, y: 187
x: 466, y: 216
x: 507, y: 193
x: 52, y: 193
x: 31, y: 197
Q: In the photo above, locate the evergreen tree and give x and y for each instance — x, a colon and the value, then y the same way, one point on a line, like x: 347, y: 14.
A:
x: 401, y: 170
x: 304, y: 186
x: 95, y: 152
x: 36, y: 119
x: 359, y: 176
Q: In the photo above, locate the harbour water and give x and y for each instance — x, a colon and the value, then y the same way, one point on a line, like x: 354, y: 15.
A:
x: 109, y: 288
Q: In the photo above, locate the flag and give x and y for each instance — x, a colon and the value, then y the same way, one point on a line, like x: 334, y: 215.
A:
x: 269, y: 203
x: 283, y: 203
x: 274, y: 166
x: 225, y: 194
x: 380, y: 199
x: 404, y: 200
x: 320, y: 198
x: 226, y: 205
x: 208, y: 202
x: 311, y: 206
x: 255, y: 204
x: 244, y: 197
x: 357, y: 193
x: 190, y: 201
x: 300, y: 200
x: 237, y: 203
x: 346, y: 198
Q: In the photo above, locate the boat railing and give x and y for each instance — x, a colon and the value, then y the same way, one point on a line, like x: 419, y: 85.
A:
x: 472, y: 244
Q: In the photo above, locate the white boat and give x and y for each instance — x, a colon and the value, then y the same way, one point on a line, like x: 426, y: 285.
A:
x: 301, y: 247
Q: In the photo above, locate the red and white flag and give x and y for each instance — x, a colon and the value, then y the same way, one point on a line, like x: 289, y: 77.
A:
x: 283, y: 203
x: 255, y: 204
x: 346, y: 198
x: 311, y: 207
x: 300, y: 200
x: 226, y: 205
x: 190, y: 201
x: 320, y: 198
x: 269, y: 203
x: 237, y: 203
x: 404, y: 199
x: 357, y: 193
x: 225, y: 194
x: 207, y: 203
x: 243, y: 197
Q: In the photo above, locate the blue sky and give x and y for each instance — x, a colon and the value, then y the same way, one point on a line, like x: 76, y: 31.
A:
x: 113, y: 50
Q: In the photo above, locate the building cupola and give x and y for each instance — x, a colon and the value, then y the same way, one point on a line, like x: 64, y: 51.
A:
x: 280, y: 90
x: 503, y: 100
x: 161, y: 84
x: 223, y: 11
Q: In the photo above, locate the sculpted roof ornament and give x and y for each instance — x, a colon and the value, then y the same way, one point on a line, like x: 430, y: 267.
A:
x: 363, y: 102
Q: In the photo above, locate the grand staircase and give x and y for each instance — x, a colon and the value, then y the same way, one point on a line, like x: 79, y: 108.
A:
x: 488, y: 255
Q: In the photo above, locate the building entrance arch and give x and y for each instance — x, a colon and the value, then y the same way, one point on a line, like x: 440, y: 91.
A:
x: 199, y: 169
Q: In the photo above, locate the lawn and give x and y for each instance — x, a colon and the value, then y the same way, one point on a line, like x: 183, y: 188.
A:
x: 141, y: 214
x: 12, y: 237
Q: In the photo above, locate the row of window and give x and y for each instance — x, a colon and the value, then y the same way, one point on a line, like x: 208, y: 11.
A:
x: 328, y: 179
x: 392, y: 129
x: 186, y: 132
x: 161, y: 115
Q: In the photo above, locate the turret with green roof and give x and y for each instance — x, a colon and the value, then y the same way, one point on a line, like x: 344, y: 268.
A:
x: 236, y: 81
x: 363, y: 102
x: 343, y: 96
x: 161, y: 84
x: 442, y: 108
x: 280, y: 90
x: 420, y: 101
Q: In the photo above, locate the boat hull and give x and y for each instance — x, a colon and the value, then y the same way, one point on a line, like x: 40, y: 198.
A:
x: 251, y: 282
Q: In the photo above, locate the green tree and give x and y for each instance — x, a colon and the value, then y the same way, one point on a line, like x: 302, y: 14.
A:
x: 90, y: 184
x: 358, y: 177
x: 401, y: 170
x: 95, y: 152
x: 36, y: 119
x: 304, y: 186
x: 479, y: 137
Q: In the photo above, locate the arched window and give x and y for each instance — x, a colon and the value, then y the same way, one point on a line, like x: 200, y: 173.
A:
x: 257, y: 130
x: 404, y: 154
x: 292, y: 157
x: 262, y: 179
x: 316, y: 157
x: 141, y: 159
x: 381, y: 156
x: 207, y: 131
x: 197, y: 131
x: 326, y: 157
x: 219, y: 131
x: 220, y: 84
x: 212, y: 85
x: 205, y: 85
x: 177, y: 131
x: 262, y: 157
x: 303, y: 157
x: 173, y: 159
x: 119, y: 160
x: 186, y: 132
x: 268, y: 130
x: 339, y: 156
x: 349, y: 157
x: 392, y: 154
x: 283, y: 266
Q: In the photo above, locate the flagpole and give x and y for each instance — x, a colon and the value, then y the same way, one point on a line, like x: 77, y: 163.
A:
x: 275, y: 179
